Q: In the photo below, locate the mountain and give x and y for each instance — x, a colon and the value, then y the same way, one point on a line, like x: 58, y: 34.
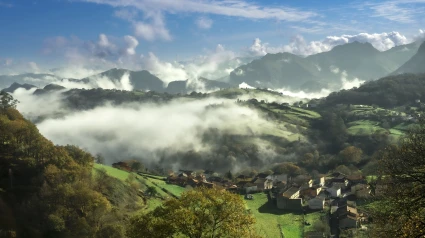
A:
x: 416, y: 64
x: 186, y: 86
x: 39, y: 79
x: 141, y: 80
x: 15, y: 86
x: 323, y: 70
x: 276, y: 71
x: 49, y: 88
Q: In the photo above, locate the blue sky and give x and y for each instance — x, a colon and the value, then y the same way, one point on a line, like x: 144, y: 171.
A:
x: 52, y: 32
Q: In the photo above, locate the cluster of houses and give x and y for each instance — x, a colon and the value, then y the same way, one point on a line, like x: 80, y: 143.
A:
x: 206, y: 179
x: 336, y: 192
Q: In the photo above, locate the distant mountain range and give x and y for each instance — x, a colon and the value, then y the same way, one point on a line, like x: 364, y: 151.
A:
x: 323, y: 70
x: 281, y: 70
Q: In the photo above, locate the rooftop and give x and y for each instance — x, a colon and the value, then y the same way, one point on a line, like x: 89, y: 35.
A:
x: 290, y: 192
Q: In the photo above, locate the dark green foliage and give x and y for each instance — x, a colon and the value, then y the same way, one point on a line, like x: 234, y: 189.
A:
x: 387, y: 92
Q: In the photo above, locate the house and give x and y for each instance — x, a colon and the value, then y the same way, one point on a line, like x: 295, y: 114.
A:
x: 356, y: 179
x: 289, y: 200
x: 322, y: 181
x: 337, y: 177
x: 316, y: 203
x: 303, y: 181
x: 292, y: 193
x: 343, y: 186
x: 347, y: 217
x: 263, y: 184
x: 311, y: 192
x: 334, y: 191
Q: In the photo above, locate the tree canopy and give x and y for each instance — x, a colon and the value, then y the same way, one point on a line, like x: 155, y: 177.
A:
x: 198, y: 213
x: 401, y: 211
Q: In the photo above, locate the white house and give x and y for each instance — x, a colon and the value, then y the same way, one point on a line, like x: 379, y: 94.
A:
x: 335, y: 191
x: 316, y: 203
x: 322, y: 181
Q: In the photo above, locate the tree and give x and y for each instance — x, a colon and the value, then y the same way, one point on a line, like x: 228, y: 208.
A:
x: 401, y: 211
x: 99, y: 159
x: 198, y: 213
x: 136, y: 166
x: 229, y: 175
x: 151, y: 191
x: 351, y: 154
x: 7, y: 101
x: 287, y: 168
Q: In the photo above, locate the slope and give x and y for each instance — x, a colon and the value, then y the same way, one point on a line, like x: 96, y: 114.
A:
x: 416, y: 64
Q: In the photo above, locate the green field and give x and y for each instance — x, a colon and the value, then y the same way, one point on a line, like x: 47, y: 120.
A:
x: 270, y: 221
x: 123, y: 175
x: 173, y: 189
x: 116, y: 173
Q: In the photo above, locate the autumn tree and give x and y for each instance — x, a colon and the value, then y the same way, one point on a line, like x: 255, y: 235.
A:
x: 198, y: 213
x: 351, y: 155
x: 288, y: 168
x: 401, y: 211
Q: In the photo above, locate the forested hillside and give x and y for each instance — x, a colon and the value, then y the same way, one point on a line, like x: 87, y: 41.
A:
x: 51, y: 191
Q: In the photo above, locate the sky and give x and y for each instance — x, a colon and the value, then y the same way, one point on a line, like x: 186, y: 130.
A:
x: 38, y: 35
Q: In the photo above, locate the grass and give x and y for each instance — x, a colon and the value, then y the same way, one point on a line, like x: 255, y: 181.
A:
x: 270, y: 221
x: 363, y: 127
x: 312, y: 218
x: 116, y: 173
x: 123, y: 175
x: 173, y: 189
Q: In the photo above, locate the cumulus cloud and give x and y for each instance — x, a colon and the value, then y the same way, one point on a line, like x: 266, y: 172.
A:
x: 152, y: 29
x: 258, y: 48
x: 299, y: 46
x: 204, y: 23
x: 166, y: 71
x: 212, y: 65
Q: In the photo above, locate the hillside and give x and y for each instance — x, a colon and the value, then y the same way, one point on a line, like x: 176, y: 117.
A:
x: 386, y: 92
x: 415, y: 65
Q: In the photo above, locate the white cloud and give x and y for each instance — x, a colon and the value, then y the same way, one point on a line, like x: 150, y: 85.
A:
x: 204, y: 23
x: 166, y: 71
x: 34, y: 67
x: 299, y: 46
x: 400, y: 11
x: 126, y: 14
x: 245, y: 85
x: 233, y: 8
x: 131, y: 44
x: 153, y: 29
x: 258, y: 48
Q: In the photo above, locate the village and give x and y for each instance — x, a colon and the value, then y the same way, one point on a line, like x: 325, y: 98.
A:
x: 335, y: 195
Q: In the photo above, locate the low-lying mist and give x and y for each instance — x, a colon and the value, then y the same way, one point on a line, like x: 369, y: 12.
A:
x: 152, y: 133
